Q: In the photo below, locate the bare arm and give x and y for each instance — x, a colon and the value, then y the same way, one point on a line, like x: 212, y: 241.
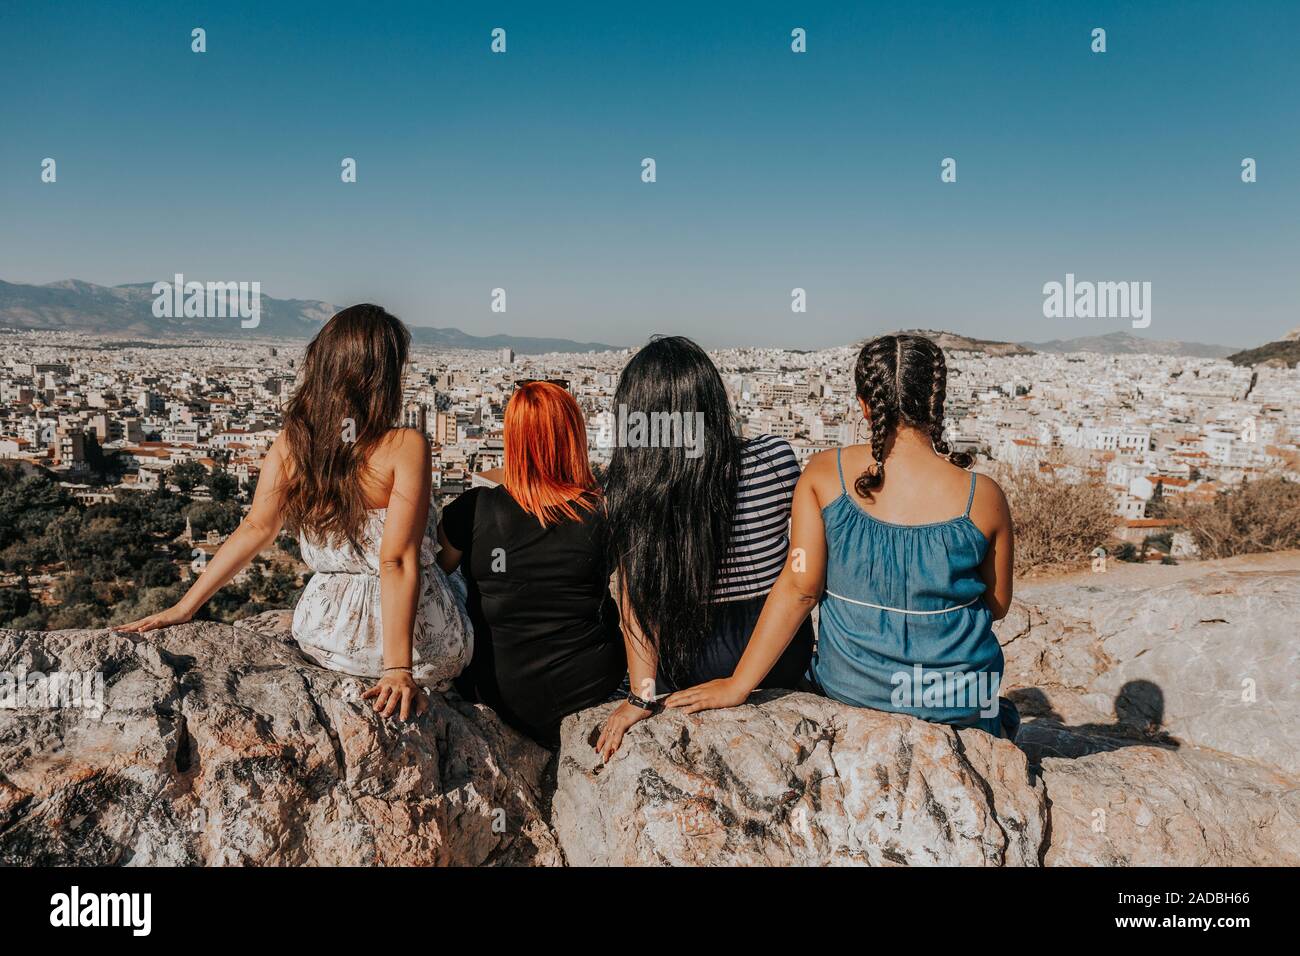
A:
x: 255, y: 533
x: 642, y: 668
x: 792, y: 598
x: 399, y: 576
x: 642, y: 655
x: 449, y: 557
x: 399, y: 549
x: 992, y: 515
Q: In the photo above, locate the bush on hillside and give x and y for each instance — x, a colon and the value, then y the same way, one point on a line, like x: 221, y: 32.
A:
x: 1058, y: 524
x: 1255, y: 516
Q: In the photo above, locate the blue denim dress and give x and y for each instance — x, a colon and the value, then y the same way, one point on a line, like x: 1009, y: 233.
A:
x: 903, y: 624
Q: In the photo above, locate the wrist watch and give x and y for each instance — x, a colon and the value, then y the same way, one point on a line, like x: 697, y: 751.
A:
x: 641, y: 702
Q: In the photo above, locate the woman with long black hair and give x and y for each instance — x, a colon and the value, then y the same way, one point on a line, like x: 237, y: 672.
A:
x: 699, y: 530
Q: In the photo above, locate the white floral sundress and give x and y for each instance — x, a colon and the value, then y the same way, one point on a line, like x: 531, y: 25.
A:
x: 338, y: 620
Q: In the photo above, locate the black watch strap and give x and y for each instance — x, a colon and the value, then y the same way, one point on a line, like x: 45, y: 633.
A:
x: 641, y: 702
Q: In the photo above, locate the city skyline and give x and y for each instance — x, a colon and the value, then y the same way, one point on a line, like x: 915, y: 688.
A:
x: 775, y: 170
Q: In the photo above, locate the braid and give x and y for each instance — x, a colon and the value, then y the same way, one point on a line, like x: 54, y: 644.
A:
x: 877, y: 385
x: 903, y: 379
x: 938, y: 395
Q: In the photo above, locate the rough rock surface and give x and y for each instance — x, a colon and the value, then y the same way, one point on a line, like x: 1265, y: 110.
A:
x: 1143, y: 749
x: 223, y: 745
x: 1158, y: 806
x: 1207, y: 653
x: 1161, y: 729
x: 1162, y: 707
x: 794, y: 779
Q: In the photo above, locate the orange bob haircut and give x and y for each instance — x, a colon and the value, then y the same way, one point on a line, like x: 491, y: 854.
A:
x: 546, y: 468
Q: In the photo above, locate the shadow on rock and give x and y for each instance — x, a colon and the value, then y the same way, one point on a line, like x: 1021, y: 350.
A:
x: 1139, y: 720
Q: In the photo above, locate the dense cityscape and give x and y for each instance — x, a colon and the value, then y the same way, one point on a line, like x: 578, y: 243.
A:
x: 187, y: 425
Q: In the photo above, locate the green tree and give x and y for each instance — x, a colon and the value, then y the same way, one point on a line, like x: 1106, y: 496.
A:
x: 14, y: 603
x: 221, y: 516
x: 188, y: 475
x: 158, y: 573
x: 224, y: 486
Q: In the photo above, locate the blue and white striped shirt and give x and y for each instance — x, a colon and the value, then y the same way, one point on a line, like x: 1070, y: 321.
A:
x: 760, y: 532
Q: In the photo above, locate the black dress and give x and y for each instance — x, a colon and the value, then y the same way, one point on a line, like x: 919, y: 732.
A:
x: 546, y: 637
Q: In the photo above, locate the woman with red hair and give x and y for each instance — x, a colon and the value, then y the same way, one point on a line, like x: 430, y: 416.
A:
x: 547, y: 639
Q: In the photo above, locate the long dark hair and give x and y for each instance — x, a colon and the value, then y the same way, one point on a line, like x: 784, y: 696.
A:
x: 670, y: 515
x: 349, y: 396
x: 904, y: 380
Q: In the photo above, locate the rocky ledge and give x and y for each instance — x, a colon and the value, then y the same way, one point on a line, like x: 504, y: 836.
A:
x: 1161, y: 722
x: 221, y: 745
x: 793, y: 779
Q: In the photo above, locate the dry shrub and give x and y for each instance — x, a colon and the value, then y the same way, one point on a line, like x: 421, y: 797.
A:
x: 1255, y: 516
x: 1058, y: 524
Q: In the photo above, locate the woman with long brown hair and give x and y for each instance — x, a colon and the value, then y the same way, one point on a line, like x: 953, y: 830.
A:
x: 356, y: 491
x: 534, y: 553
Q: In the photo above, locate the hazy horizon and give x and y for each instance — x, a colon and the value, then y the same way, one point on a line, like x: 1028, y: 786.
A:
x: 775, y: 170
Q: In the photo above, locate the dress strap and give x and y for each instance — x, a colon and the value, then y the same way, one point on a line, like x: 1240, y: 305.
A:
x: 840, y: 466
x: 971, y: 500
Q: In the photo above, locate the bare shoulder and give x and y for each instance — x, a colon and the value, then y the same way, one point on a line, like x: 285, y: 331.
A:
x: 988, y: 489
x: 989, y: 510
x: 821, y: 463
x: 279, y: 450
x: 405, y: 445
x: 401, y: 457
x: 822, y: 476
x: 278, y: 462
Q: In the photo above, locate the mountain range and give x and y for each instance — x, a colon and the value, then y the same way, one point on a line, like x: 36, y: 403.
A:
x: 72, y: 305
x: 1115, y: 343
x: 1126, y: 343
x: 952, y: 342
x: 127, y: 311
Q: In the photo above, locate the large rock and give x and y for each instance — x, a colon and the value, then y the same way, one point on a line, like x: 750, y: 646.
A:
x: 793, y: 779
x: 1162, y: 710
x: 1160, y: 806
x: 1161, y: 729
x: 221, y: 745
x: 1206, y: 654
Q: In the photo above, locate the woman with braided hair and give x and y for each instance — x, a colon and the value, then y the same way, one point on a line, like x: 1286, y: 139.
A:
x: 910, y: 562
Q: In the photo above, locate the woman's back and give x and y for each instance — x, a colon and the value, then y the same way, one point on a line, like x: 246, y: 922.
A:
x: 548, y: 636
x: 760, y: 525
x: 758, y: 546
x: 339, y: 618
x: 916, y: 541
x: 343, y: 558
x: 533, y: 582
x: 902, y: 609
x: 377, y: 486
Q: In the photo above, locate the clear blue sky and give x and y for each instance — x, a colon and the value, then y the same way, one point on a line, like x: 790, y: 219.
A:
x: 775, y: 170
